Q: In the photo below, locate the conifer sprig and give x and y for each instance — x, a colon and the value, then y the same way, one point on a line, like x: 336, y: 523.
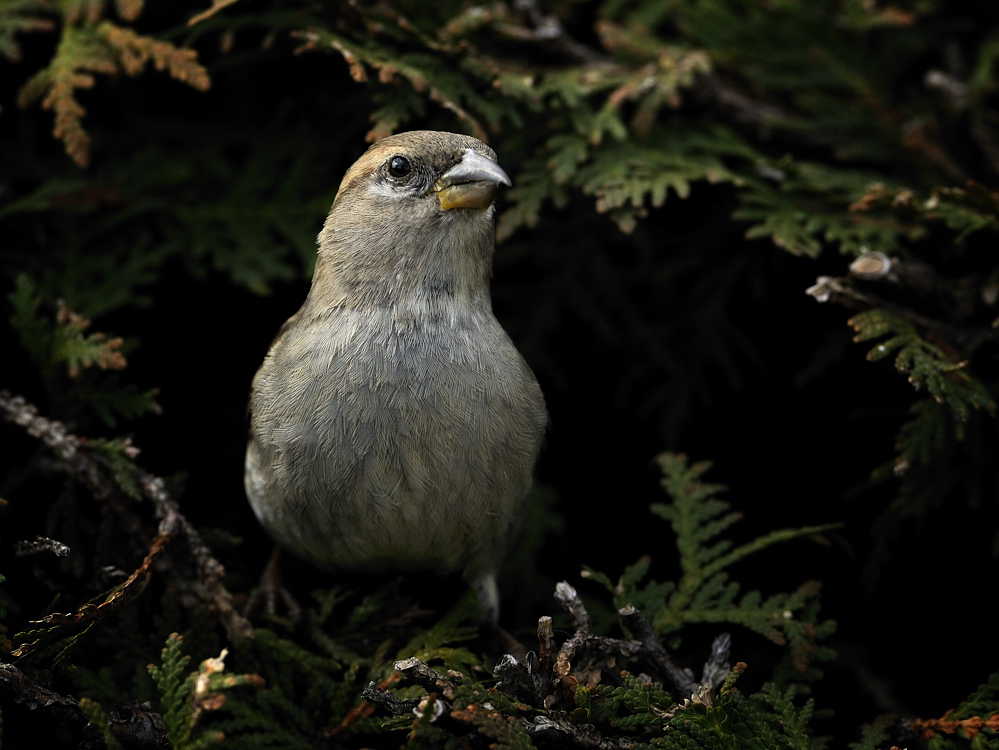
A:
x: 75, y: 365
x: 704, y: 592
x: 925, y: 364
x: 88, y: 47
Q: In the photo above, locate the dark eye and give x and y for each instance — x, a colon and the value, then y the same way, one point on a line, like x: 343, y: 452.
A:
x: 398, y: 166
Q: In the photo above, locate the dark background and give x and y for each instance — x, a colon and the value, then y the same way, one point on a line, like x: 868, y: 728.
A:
x: 682, y: 336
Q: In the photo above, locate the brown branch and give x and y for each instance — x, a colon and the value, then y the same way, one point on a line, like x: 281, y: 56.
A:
x: 374, y: 694
x: 653, y: 650
x: 217, y: 5
x: 831, y: 289
x: 548, y: 31
x: 136, y: 729
x: 717, y: 668
x: 206, y: 586
x: 543, y: 684
x: 560, y: 730
x: 377, y: 695
x: 77, y: 459
x: 566, y: 596
x: 48, y: 706
x: 916, y: 136
x: 517, y: 678
x: 546, y: 646
x: 906, y: 273
x: 426, y: 677
x: 956, y: 92
x: 40, y: 545
x: 762, y: 116
x: 89, y: 614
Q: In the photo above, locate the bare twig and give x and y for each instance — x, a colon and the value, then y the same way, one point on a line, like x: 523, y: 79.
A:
x: 548, y: 30
x: 40, y: 545
x: 206, y: 586
x: 516, y: 678
x: 957, y: 94
x: 373, y: 693
x: 217, y: 5
x: 560, y: 730
x: 653, y: 650
x: 954, y: 90
x: 717, y: 668
x: 906, y: 273
x: 546, y: 646
x: 417, y: 671
x: 566, y: 596
x: 48, y: 706
x: 544, y: 682
x: 831, y: 289
x: 76, y: 457
x: 761, y: 116
x: 986, y: 141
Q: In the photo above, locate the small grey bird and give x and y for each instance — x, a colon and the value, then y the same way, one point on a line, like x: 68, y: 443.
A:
x: 393, y: 424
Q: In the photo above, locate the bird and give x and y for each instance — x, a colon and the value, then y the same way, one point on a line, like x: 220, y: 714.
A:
x: 393, y: 424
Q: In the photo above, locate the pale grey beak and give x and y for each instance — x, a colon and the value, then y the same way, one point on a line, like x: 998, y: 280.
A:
x: 471, y: 183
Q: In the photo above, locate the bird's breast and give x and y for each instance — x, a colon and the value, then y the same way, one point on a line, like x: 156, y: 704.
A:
x: 395, y: 436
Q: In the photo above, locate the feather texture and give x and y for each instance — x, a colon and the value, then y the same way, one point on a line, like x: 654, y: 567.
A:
x: 394, y: 425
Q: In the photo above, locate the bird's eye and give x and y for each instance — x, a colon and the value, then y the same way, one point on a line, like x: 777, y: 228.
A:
x: 398, y: 166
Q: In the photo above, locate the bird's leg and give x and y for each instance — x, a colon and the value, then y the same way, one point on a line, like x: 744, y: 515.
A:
x: 488, y: 616
x: 507, y: 644
x: 270, y: 588
x: 489, y: 601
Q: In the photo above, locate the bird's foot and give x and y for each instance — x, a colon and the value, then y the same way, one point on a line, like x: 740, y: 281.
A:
x: 269, y: 590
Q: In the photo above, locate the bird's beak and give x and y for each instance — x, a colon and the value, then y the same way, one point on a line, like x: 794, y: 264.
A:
x: 471, y: 183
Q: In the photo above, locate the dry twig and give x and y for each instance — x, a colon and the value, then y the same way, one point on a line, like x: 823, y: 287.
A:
x: 205, y: 586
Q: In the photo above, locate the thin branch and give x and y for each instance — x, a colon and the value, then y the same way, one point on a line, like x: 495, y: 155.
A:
x: 40, y: 545
x: 517, y: 678
x: 134, y: 726
x: 426, y: 677
x: 762, y: 116
x: 559, y: 730
x: 373, y: 693
x: 549, y: 31
x: 546, y: 646
x: 717, y: 668
x: 566, y: 596
x: 831, y: 289
x: 652, y: 649
x: 543, y: 682
x: 77, y: 458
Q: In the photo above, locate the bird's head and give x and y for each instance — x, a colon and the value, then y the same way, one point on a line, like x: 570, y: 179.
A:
x: 416, y: 205
x: 441, y: 171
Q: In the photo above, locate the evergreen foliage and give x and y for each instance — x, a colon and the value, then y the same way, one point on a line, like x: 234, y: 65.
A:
x: 185, y: 697
x: 671, y: 159
x: 614, y: 704
x: 89, y: 45
x: 975, y: 719
x: 64, y: 358
x: 704, y: 593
